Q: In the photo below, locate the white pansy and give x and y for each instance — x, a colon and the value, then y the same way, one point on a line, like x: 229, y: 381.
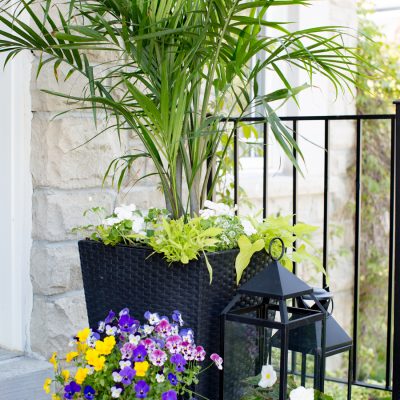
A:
x: 301, y: 393
x: 123, y: 213
x: 160, y: 378
x: 148, y: 329
x: 248, y: 227
x: 134, y: 339
x: 116, y: 376
x: 124, y: 363
x: 115, y: 392
x: 268, y: 377
x: 111, y: 330
x: 90, y: 369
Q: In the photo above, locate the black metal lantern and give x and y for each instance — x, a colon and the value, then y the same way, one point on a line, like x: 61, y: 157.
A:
x: 262, y: 325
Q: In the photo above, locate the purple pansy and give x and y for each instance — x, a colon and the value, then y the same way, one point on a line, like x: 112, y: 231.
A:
x: 124, y: 311
x: 170, y: 395
x: 189, y: 351
x: 177, y: 317
x: 172, y: 379
x: 89, y: 392
x: 92, y: 339
x: 127, y: 374
x: 160, y: 343
x: 149, y: 344
x: 174, y: 344
x: 179, y: 362
x: 140, y: 353
x: 141, y: 389
x: 71, y: 389
x: 110, y: 317
x: 128, y: 324
x: 158, y: 357
x: 217, y: 360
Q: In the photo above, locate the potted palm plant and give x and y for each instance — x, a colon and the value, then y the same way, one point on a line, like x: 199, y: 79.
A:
x: 179, y: 71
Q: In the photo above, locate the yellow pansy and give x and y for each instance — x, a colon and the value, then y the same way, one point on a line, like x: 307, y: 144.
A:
x: 106, y: 346
x: 82, y: 347
x: 65, y: 374
x: 55, y: 397
x: 53, y: 360
x: 83, y: 335
x: 93, y: 358
x: 71, y: 355
x: 46, y: 385
x: 141, y: 368
x: 99, y: 363
x: 81, y: 375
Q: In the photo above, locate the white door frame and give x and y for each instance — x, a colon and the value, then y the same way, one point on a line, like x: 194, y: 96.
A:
x: 15, y: 203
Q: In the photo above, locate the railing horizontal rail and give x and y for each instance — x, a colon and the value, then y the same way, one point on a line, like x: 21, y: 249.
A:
x: 318, y: 118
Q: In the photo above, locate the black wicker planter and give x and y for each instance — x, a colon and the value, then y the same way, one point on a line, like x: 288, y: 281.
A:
x: 123, y: 276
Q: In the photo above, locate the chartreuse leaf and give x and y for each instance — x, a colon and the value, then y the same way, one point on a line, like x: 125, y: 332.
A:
x: 247, y: 249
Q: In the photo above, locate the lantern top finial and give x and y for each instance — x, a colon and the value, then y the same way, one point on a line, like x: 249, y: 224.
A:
x: 275, y: 281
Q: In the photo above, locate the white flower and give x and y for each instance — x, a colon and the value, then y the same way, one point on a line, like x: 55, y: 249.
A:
x: 148, y: 329
x: 115, y: 392
x: 123, y: 364
x: 138, y: 224
x: 248, y: 227
x: 125, y: 212
x: 134, y: 339
x: 111, y: 330
x: 160, y: 378
x: 110, y: 221
x: 301, y: 393
x: 268, y: 377
x: 212, y: 209
x: 116, y: 376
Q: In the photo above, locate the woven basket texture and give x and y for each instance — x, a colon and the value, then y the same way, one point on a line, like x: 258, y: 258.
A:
x: 134, y: 277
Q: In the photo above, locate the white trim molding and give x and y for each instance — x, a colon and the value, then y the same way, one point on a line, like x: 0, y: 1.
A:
x: 15, y: 203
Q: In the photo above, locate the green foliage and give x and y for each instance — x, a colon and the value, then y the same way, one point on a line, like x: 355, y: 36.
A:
x: 179, y: 69
x: 377, y: 49
x: 282, y: 227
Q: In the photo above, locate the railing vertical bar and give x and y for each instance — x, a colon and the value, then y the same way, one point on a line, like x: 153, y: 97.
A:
x: 326, y: 197
x: 357, y: 248
x: 391, y: 259
x: 265, y: 170
x: 294, y: 189
x: 396, y: 291
x: 235, y: 166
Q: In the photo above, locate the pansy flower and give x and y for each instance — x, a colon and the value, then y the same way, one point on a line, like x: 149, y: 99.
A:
x: 92, y: 339
x: 173, y: 380
x: 124, y: 363
x: 141, y: 368
x: 140, y: 353
x: 158, y: 357
x: 217, y: 360
x: 71, y: 389
x: 170, y: 395
x: 111, y: 330
x: 141, y: 389
x: 134, y: 339
x: 177, y: 317
x: 160, y: 343
x: 163, y: 328
x: 149, y: 344
x: 116, y: 376
x: 187, y: 335
x: 174, y: 344
x: 160, y: 377
x: 200, y: 353
x: 148, y: 329
x: 110, y: 317
x: 127, y: 375
x: 102, y: 327
x: 179, y: 362
x: 89, y: 392
x: 153, y: 318
x: 124, y: 311
x: 127, y: 351
x: 116, y: 392
x: 188, y: 351
x: 128, y: 324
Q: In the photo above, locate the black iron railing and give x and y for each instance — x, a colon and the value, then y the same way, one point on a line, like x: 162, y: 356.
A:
x: 392, y: 367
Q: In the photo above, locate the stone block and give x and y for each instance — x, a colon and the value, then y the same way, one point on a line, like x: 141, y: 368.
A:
x: 64, y: 156
x: 55, y: 268
x: 57, y: 212
x: 55, y: 321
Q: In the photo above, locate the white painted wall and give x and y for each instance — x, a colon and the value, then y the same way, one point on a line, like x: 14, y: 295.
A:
x: 15, y: 203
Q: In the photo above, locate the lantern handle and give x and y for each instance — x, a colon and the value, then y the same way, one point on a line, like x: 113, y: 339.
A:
x: 282, y: 251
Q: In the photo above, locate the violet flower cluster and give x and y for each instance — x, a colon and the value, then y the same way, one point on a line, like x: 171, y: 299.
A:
x: 126, y: 359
